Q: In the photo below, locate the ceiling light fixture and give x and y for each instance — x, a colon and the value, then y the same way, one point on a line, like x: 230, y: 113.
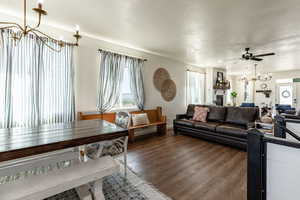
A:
x: 26, y: 29
x: 258, y: 77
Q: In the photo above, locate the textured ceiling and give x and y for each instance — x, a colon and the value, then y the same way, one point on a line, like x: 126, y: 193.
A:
x: 202, y: 32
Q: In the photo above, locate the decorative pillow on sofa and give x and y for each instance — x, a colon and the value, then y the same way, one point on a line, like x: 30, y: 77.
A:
x: 191, y: 109
x: 140, y: 119
x: 200, y: 114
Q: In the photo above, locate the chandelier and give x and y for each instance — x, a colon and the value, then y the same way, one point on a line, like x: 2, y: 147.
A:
x: 43, y: 37
x: 257, y: 77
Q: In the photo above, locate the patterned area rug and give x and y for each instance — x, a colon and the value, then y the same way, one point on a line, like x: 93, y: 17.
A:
x: 116, y: 187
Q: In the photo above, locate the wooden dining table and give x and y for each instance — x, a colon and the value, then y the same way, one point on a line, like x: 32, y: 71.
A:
x: 18, y: 143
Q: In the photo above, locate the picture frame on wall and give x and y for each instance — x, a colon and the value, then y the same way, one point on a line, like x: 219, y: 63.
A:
x: 220, y: 77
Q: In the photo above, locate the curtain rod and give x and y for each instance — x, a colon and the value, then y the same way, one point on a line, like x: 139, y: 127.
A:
x: 144, y: 59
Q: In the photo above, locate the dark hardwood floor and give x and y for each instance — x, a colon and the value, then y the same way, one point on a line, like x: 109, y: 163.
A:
x: 187, y: 168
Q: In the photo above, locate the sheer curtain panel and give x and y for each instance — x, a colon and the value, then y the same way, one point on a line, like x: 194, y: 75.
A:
x: 36, y: 84
x: 110, y: 78
x: 136, y: 83
x: 113, y: 69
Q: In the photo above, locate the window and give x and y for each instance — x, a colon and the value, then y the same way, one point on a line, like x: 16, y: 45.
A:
x: 195, y: 88
x: 126, y: 100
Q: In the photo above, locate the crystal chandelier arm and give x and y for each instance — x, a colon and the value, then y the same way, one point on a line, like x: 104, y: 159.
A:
x: 38, y: 24
x: 12, y: 23
x: 19, y: 38
x: 44, y: 34
x: 45, y: 43
x: 8, y: 27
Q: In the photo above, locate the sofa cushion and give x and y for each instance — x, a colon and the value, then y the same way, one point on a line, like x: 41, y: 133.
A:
x: 210, y: 126
x: 232, y: 130
x: 200, y: 113
x: 216, y: 113
x: 185, y: 122
x: 240, y: 115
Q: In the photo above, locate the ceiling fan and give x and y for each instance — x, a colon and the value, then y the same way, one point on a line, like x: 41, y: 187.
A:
x: 250, y: 56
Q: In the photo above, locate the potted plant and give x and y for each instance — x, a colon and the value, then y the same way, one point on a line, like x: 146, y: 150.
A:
x: 233, y: 96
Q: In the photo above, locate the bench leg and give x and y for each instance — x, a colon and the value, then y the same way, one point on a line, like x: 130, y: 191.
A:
x: 125, y: 156
x: 83, y: 192
x: 97, y: 190
x: 162, y: 129
x: 131, y: 135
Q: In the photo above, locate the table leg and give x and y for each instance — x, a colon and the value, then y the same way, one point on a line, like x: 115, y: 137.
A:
x: 99, y: 152
x: 131, y: 135
x: 162, y: 129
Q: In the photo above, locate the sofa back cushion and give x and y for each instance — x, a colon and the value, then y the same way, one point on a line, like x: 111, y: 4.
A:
x: 190, y: 110
x: 240, y: 115
x: 216, y: 113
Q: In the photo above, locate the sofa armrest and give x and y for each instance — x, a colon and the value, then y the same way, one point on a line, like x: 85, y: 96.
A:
x: 181, y: 116
x: 250, y: 125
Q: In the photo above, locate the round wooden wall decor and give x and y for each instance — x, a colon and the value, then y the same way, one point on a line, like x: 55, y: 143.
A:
x: 160, y: 75
x: 168, y: 90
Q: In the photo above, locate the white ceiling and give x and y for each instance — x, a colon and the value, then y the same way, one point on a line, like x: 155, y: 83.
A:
x: 203, y: 32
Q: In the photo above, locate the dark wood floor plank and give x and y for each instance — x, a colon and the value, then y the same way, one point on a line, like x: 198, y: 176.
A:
x: 187, y: 168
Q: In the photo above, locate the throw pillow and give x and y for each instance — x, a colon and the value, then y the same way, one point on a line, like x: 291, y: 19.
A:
x: 200, y: 114
x: 122, y: 119
x: 140, y: 119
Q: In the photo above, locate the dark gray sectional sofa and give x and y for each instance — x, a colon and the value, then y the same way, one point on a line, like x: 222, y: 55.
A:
x: 226, y: 125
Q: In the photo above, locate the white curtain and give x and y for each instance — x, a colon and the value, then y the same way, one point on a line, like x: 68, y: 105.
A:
x: 136, y: 81
x: 36, y: 83
x: 195, y: 88
x: 111, y: 77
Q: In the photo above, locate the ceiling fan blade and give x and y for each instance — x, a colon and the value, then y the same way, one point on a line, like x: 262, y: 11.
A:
x: 265, y: 54
x: 256, y: 59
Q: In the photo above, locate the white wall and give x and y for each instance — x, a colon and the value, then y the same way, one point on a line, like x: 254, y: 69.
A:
x: 87, y: 69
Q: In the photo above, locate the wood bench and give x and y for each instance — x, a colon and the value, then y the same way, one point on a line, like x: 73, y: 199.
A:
x: 39, y: 187
x: 155, y: 118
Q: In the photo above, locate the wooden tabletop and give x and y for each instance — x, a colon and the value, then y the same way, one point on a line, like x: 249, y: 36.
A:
x: 22, y: 142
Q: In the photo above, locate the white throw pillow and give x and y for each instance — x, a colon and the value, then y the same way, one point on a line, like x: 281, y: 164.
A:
x: 140, y: 119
